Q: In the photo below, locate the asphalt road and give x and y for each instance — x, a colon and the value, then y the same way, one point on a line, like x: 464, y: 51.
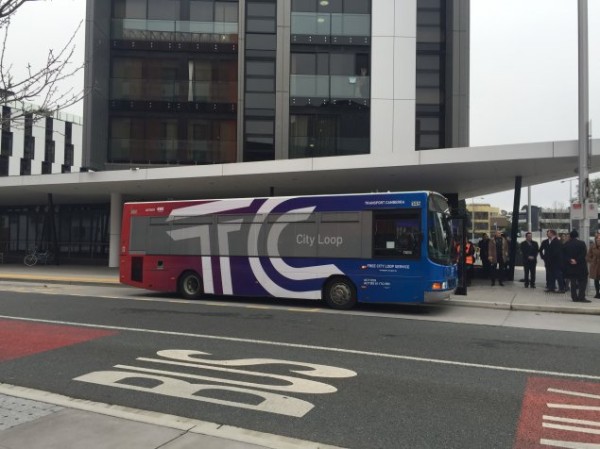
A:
x: 379, y: 378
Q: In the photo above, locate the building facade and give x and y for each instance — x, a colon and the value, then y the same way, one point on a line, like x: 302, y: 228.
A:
x: 194, y: 82
x: 34, y: 144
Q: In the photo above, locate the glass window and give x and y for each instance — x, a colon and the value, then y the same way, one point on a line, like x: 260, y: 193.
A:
x: 260, y: 68
x: 260, y: 26
x: 342, y: 64
x: 304, y: 64
x: 330, y: 6
x: 260, y: 101
x: 357, y: 6
x: 261, y: 42
x: 201, y: 11
x: 261, y: 10
x: 304, y: 5
x: 226, y: 12
x: 163, y: 9
x: 260, y: 127
x: 260, y: 85
x: 397, y: 234
x: 130, y: 9
x: 127, y: 68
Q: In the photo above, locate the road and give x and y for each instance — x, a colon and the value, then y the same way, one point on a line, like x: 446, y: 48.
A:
x: 379, y: 377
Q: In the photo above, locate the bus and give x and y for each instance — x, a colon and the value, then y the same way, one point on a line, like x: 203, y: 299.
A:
x: 342, y: 249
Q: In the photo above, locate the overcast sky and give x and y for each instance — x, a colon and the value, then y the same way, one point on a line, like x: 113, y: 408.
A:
x: 523, y: 71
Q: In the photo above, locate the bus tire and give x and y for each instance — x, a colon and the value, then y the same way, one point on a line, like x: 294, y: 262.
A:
x: 190, y: 285
x: 340, y: 293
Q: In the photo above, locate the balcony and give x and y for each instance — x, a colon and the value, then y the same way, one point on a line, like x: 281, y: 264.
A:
x: 337, y: 87
x: 323, y: 24
x: 174, y: 31
x: 173, y: 91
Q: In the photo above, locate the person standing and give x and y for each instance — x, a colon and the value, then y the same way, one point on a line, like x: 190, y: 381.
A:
x: 564, y: 238
x: 544, y: 247
x: 593, y: 258
x: 497, y: 255
x: 576, y: 269
x: 555, y: 263
x: 483, y: 254
x: 529, y: 250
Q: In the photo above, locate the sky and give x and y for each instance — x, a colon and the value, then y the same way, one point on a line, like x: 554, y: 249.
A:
x: 523, y: 72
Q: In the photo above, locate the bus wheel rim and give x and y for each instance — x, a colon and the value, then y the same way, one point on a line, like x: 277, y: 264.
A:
x: 340, y: 293
x: 191, y: 285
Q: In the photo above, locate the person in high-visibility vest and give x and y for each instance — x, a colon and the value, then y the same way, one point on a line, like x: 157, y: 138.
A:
x: 469, y: 259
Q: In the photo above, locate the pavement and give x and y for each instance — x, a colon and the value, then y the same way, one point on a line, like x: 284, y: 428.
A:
x: 32, y: 419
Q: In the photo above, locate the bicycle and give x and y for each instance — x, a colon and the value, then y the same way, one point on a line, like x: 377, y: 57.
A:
x: 36, y: 256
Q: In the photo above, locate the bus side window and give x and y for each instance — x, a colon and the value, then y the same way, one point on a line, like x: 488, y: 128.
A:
x: 397, y: 234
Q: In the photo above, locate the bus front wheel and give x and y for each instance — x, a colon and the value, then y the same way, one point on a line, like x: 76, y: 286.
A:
x: 340, y: 293
x: 190, y: 285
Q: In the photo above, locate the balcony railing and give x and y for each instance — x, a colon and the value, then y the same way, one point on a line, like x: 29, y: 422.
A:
x: 324, y: 24
x: 323, y: 86
x: 174, y: 31
x: 167, y: 151
x: 175, y: 91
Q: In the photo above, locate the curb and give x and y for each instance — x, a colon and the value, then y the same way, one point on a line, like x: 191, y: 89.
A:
x: 526, y: 307
x: 60, y: 280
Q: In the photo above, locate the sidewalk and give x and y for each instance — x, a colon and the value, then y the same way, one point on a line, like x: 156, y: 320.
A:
x: 33, y: 419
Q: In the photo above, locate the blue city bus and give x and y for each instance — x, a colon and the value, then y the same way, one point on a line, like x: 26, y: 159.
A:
x: 342, y: 249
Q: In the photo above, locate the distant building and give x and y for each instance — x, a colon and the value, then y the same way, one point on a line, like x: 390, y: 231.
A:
x: 485, y: 219
x: 34, y: 144
x: 555, y: 218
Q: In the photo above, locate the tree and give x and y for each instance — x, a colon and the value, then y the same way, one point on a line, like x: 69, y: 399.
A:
x: 595, y: 190
x: 39, y: 84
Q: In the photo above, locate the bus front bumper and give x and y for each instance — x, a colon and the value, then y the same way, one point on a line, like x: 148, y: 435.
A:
x: 436, y: 296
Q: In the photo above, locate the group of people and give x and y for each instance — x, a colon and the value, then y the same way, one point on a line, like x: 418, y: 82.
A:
x: 494, y: 257
x: 567, y: 260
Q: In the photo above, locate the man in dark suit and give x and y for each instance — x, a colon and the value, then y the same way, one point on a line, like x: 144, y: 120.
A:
x: 544, y: 247
x: 554, y: 263
x: 529, y: 250
x: 576, y: 269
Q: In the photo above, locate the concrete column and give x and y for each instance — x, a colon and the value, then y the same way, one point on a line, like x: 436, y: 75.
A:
x: 116, y: 214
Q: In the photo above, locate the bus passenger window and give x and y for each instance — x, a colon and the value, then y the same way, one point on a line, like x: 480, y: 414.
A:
x: 396, y: 234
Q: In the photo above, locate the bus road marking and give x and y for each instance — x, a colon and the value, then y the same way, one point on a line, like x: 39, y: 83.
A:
x: 250, y: 395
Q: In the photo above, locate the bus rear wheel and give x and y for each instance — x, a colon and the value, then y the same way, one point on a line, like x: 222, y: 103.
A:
x: 190, y: 285
x: 340, y: 293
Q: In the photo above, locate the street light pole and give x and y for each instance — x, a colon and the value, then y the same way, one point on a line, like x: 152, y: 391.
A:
x: 472, y: 220
x: 584, y: 159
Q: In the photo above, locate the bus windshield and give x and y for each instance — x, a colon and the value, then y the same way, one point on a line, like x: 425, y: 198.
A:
x: 439, y: 232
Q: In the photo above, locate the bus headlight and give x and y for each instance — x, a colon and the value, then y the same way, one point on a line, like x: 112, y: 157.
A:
x: 439, y: 286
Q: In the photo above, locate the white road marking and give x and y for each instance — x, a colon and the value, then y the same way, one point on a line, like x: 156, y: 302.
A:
x: 569, y: 444
x: 317, y: 348
x: 583, y: 422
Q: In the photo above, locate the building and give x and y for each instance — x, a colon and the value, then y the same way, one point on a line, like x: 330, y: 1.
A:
x: 189, y: 82
x: 34, y: 143
x: 226, y: 98
x: 485, y: 219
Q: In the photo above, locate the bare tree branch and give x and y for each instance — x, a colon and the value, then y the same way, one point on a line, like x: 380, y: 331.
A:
x: 40, y: 84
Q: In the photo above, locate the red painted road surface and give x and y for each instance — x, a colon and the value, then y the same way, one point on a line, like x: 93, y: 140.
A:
x: 20, y: 339
x: 559, y: 413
